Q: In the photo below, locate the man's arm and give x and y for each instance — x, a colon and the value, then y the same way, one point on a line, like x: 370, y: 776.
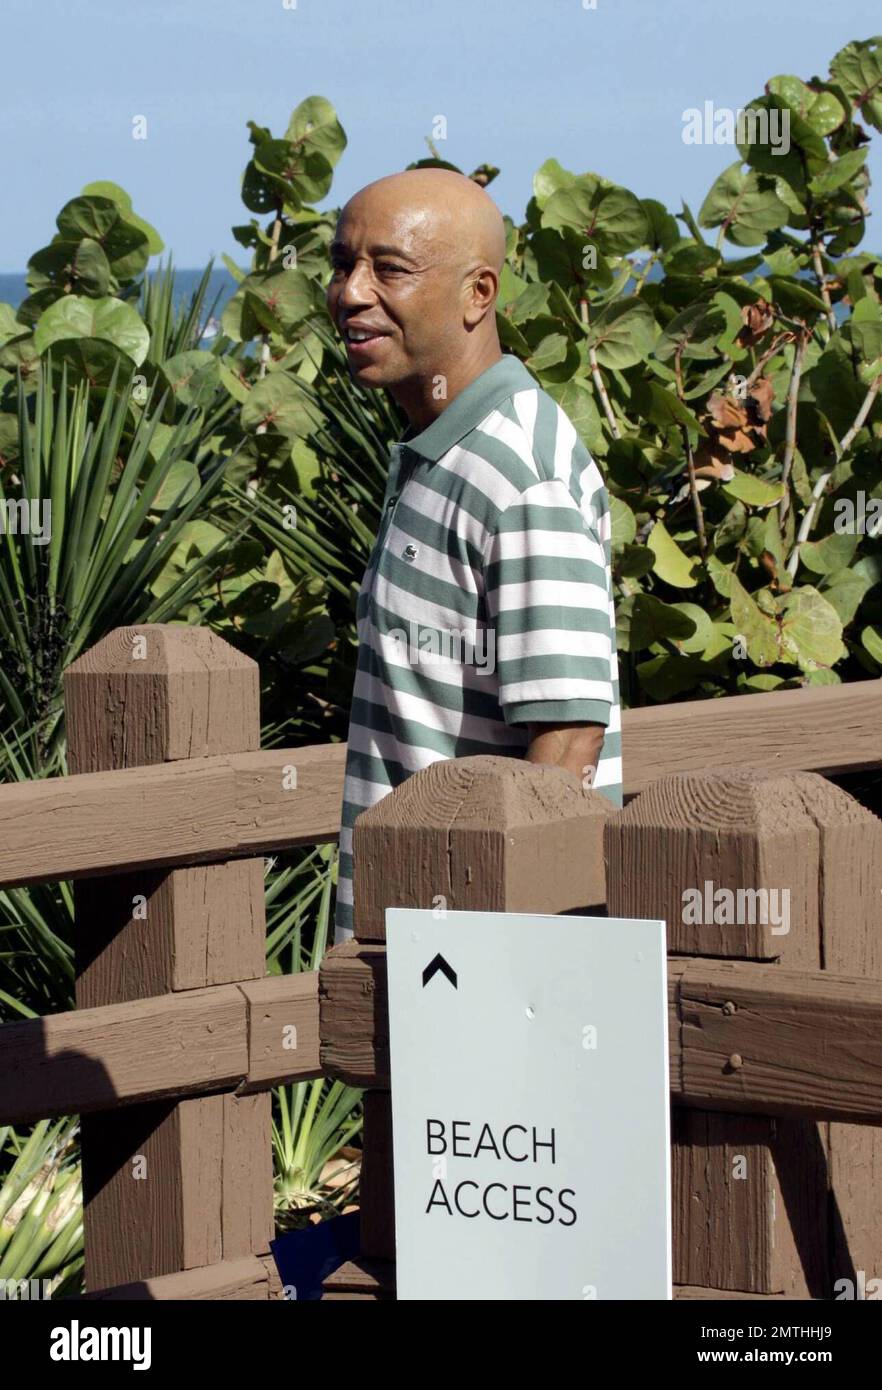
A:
x: 573, y: 746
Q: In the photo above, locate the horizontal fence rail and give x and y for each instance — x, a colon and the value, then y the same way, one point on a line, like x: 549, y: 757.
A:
x: 196, y: 810
x: 244, y: 1038
x: 177, y: 813
x: 737, y: 1034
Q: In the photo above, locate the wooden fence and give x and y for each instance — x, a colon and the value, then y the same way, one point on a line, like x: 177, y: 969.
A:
x: 178, y: 1034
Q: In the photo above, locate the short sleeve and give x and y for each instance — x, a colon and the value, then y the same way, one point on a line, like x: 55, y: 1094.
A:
x: 546, y: 578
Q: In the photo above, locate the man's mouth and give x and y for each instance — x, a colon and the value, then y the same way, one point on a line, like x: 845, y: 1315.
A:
x: 362, y: 339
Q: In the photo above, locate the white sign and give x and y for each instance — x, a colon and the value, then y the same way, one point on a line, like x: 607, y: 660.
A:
x: 530, y: 1106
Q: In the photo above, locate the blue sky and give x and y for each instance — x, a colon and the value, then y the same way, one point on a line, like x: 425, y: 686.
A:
x: 600, y: 89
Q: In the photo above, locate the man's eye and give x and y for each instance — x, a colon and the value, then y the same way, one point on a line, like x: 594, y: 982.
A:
x: 387, y: 265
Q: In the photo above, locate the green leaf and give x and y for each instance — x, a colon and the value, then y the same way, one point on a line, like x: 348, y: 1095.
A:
x: 858, y: 69
x: 91, y: 269
x: 692, y: 333
x: 795, y: 299
x: 821, y: 111
x: 87, y: 217
x: 623, y: 333
x: 624, y: 525
x: 314, y: 124
x: 645, y: 619
x: 279, y: 405
x: 108, y: 319
x: 759, y: 632
x: 180, y: 484
x: 281, y: 299
x: 838, y: 173
x: 556, y: 355
x: 811, y: 629
x: 672, y: 564
x: 845, y: 591
x: 754, y: 492
x: 663, y: 229
x: 606, y: 216
x: 193, y: 376
x: 661, y: 407
x: 871, y: 640
x: 105, y: 189
x: 532, y: 302
x: 745, y: 205
x: 829, y: 555
x: 549, y: 177
x: 256, y: 598
x: 576, y: 399
x: 705, y: 634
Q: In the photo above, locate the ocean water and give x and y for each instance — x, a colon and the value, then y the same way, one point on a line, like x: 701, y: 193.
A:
x: 13, y: 288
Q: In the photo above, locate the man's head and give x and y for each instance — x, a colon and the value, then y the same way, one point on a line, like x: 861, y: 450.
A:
x: 416, y: 258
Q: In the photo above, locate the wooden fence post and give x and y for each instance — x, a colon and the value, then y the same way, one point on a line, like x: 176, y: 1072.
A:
x: 750, y: 1193
x: 169, y: 1187
x: 471, y: 834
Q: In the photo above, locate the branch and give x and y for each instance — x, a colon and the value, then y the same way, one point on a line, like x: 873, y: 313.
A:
x: 822, y: 283
x: 690, y: 468
x: 265, y: 346
x: 844, y: 443
x: 598, y: 379
x: 790, y: 436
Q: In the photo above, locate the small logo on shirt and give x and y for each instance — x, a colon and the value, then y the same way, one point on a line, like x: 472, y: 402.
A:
x: 410, y: 552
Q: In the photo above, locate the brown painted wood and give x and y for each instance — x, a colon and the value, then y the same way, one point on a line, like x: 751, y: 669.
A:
x: 749, y: 1192
x: 283, y: 1030
x: 483, y: 833
x: 828, y: 729
x: 718, y: 1010
x: 250, y: 1279
x: 812, y: 728
x: 760, y: 1039
x: 354, y: 1014
x: 851, y: 941
x: 693, y: 1293
x: 376, y: 1189
x: 372, y: 1280
x: 159, y: 1178
x: 101, y: 1058
x: 203, y: 809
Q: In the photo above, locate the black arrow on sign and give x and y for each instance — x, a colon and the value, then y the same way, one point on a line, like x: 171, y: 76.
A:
x: 439, y: 963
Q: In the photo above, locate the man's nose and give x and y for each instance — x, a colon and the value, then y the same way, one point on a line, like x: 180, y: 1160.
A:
x: 358, y: 286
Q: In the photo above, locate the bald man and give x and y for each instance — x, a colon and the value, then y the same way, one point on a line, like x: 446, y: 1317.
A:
x: 485, y: 617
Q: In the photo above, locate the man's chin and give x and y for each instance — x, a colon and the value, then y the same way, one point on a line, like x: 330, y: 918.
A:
x: 372, y: 375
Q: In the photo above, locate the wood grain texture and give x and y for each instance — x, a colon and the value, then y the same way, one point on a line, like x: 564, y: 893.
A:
x: 170, y: 1046
x: 145, y: 1049
x: 364, y: 1278
x: 283, y: 1030
x: 250, y: 1279
x: 825, y: 729
x: 484, y: 833
x: 808, y: 1045
x: 741, y: 830
x: 158, y: 1178
x: 376, y: 1190
x: 202, y: 809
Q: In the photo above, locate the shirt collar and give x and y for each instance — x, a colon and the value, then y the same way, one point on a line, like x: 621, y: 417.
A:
x: 469, y: 408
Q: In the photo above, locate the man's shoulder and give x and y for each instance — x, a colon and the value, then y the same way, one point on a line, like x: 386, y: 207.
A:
x: 533, y: 427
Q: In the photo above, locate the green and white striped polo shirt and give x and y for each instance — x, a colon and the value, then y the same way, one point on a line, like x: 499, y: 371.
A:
x: 487, y: 601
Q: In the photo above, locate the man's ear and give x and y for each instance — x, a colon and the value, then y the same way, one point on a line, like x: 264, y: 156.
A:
x: 483, y: 288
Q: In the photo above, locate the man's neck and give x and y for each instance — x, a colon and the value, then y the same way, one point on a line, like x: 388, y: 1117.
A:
x: 419, y: 399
